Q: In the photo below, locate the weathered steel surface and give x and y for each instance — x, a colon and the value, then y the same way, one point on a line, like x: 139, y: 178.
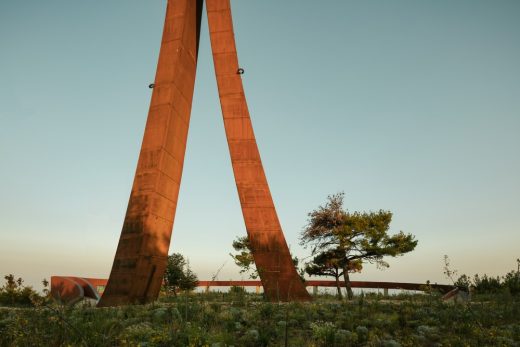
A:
x: 140, y: 258
x: 72, y: 289
x: 444, y: 288
x: 272, y: 258
x: 66, y: 290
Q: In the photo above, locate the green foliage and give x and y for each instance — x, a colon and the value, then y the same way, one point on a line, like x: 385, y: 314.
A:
x: 237, y: 290
x: 14, y: 293
x: 329, y: 263
x: 343, y: 240
x: 324, y: 332
x: 484, y: 284
x: 244, y: 257
x: 217, y: 319
x: 463, y: 282
x: 178, y: 275
x: 512, y: 282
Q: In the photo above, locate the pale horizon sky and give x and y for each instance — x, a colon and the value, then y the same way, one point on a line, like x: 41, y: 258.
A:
x: 412, y: 107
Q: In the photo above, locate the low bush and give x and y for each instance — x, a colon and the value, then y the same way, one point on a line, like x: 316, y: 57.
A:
x: 218, y: 320
x: 14, y: 293
x: 489, y: 285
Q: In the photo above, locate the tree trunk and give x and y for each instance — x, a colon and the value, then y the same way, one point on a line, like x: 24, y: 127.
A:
x: 346, y: 277
x: 338, y: 287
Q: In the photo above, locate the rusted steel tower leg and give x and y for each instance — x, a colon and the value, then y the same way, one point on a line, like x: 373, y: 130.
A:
x: 272, y: 258
x: 140, y: 258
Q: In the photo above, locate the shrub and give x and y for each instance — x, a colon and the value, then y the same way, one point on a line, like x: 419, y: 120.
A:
x: 14, y: 293
x: 512, y: 282
x: 486, y: 285
x: 463, y: 282
x: 324, y: 332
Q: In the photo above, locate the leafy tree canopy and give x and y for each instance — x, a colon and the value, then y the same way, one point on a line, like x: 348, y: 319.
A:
x: 14, y: 293
x: 346, y: 239
x: 244, y: 257
x: 178, y: 275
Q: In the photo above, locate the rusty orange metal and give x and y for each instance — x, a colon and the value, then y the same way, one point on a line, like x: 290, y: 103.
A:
x: 141, y: 254
x: 71, y: 289
x: 443, y: 288
x: 67, y: 289
x: 270, y: 251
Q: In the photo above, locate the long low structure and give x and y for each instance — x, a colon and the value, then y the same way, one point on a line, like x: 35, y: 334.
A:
x: 443, y: 288
x: 71, y: 289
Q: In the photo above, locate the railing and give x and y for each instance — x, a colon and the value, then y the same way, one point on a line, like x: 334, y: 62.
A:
x: 444, y: 288
x: 71, y: 289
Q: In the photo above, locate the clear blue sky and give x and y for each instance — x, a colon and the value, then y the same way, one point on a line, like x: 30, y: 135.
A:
x: 408, y: 106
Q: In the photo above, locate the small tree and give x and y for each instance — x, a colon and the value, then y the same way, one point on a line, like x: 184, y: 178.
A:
x: 178, y: 275
x: 244, y: 258
x: 245, y: 261
x: 346, y: 238
x: 14, y: 293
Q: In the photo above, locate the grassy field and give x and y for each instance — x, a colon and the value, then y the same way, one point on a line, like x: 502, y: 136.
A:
x: 243, y: 319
